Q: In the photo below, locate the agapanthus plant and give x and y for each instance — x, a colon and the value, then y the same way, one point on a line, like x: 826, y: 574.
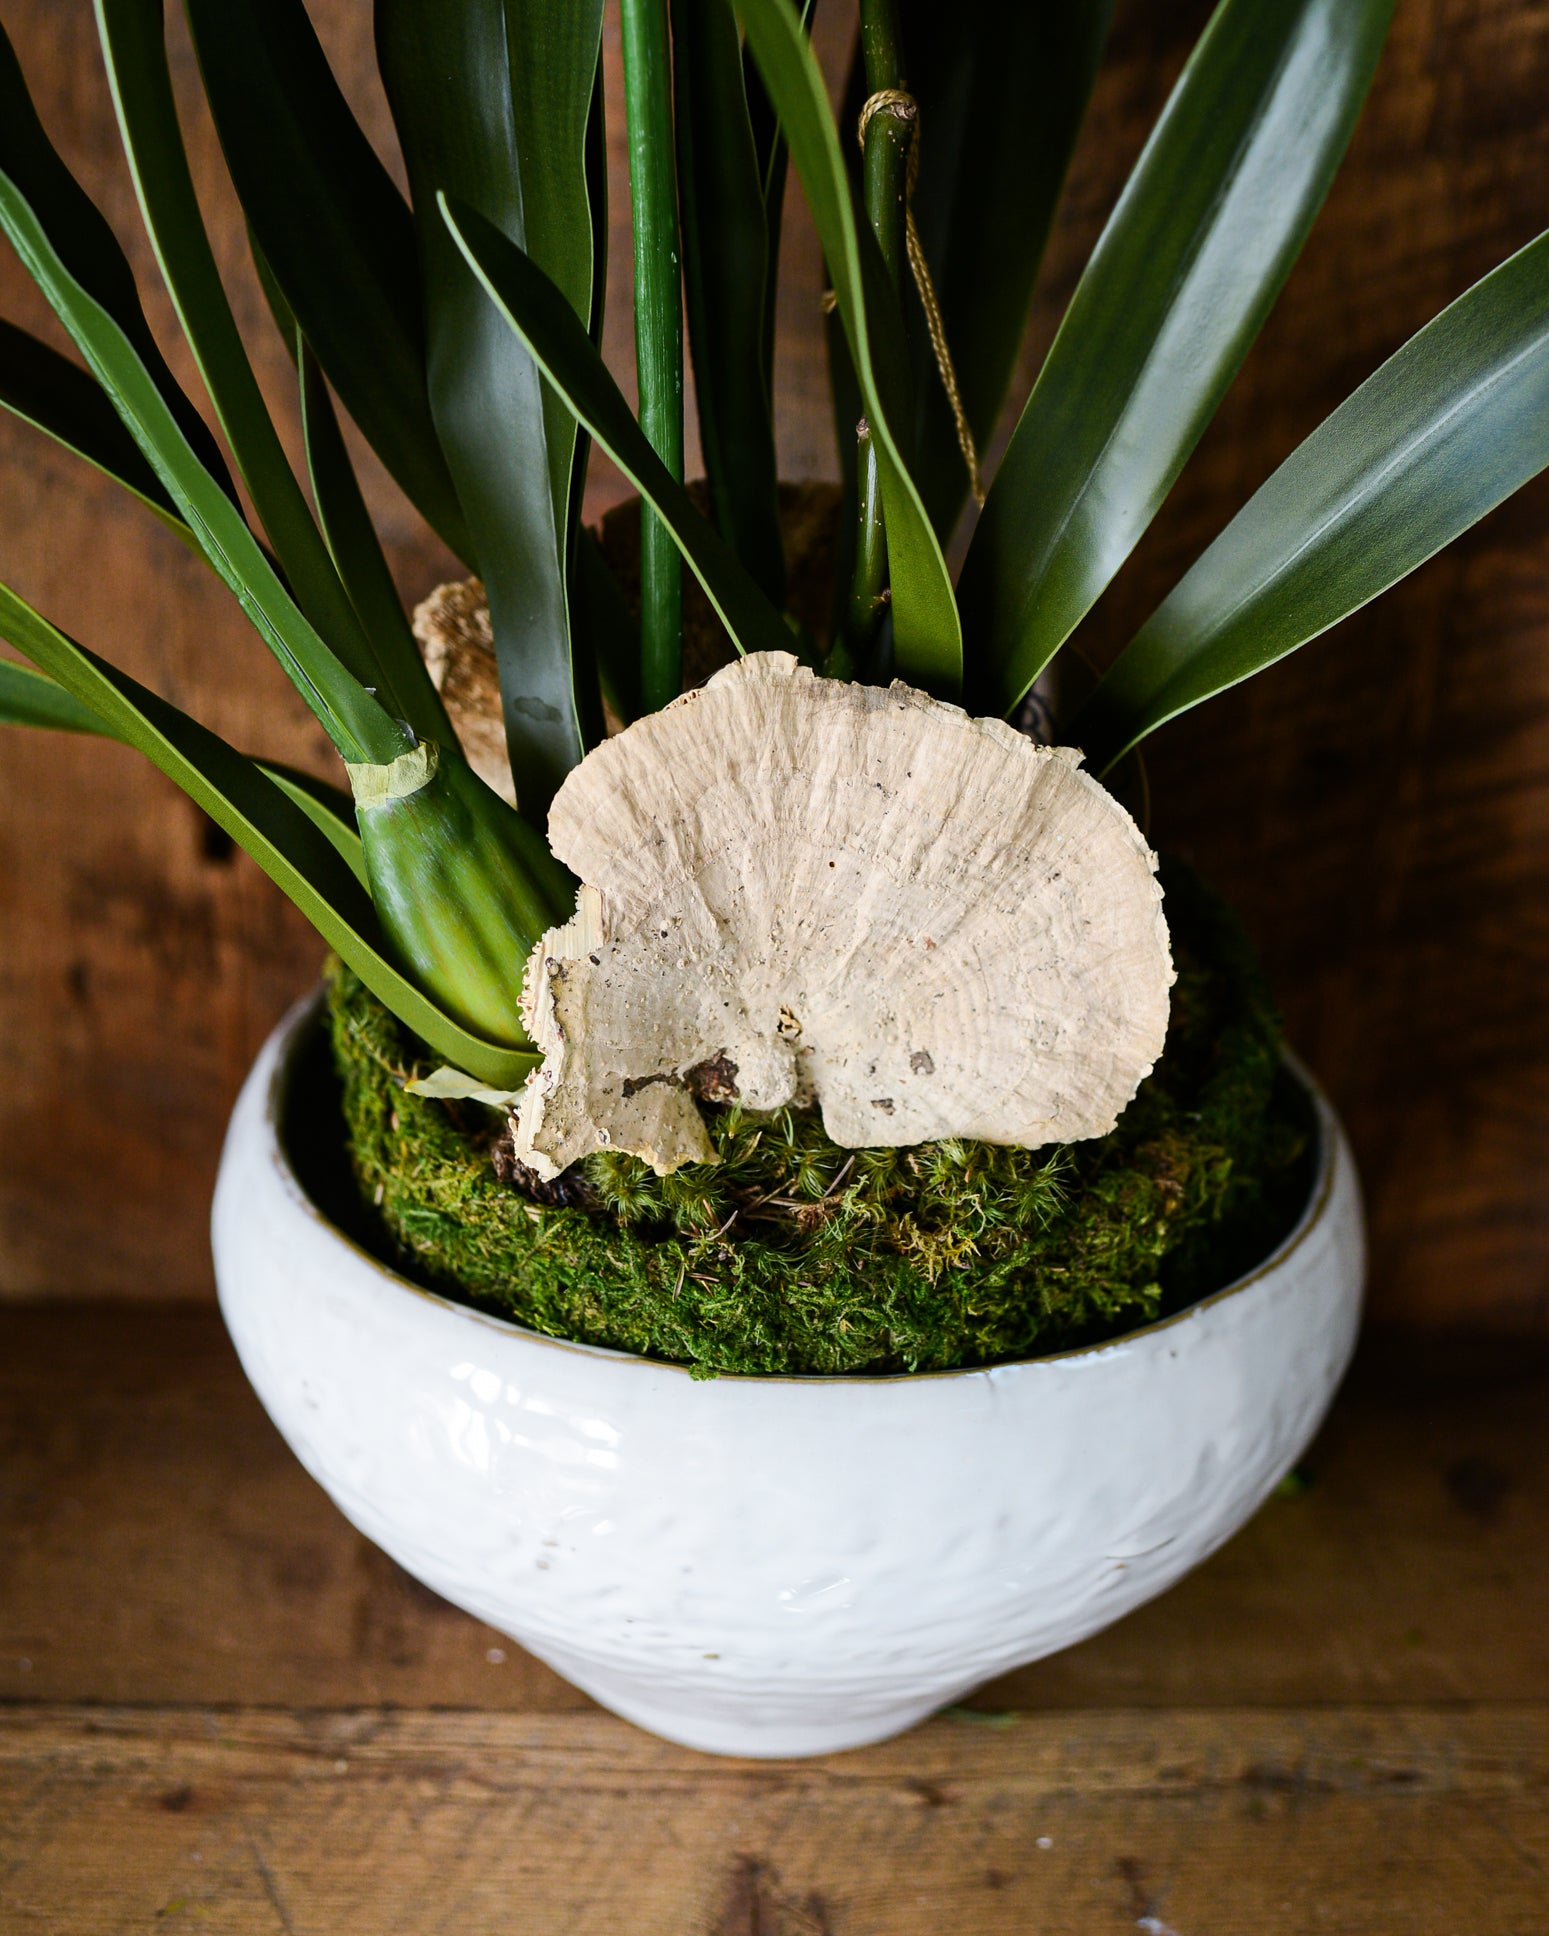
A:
x: 459, y: 329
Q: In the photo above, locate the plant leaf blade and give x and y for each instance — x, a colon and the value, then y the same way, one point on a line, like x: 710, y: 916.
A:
x: 334, y: 230
x: 304, y: 861
x: 530, y: 305
x: 59, y: 398
x: 134, y: 47
x: 358, y: 556
x: 1001, y: 93
x: 1447, y: 428
x: 491, y: 100
x: 1183, y: 275
x: 726, y: 267
x: 359, y: 727
x: 88, y: 248
x: 31, y: 698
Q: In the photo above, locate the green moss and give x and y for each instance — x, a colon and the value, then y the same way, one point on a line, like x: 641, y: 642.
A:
x: 795, y: 1256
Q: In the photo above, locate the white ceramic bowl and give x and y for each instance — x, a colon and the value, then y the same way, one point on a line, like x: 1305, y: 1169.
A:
x: 772, y: 1566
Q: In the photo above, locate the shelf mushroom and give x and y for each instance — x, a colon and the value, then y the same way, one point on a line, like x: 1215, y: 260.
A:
x: 801, y: 891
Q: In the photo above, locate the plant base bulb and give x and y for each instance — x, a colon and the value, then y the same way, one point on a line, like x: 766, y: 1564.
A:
x: 462, y: 885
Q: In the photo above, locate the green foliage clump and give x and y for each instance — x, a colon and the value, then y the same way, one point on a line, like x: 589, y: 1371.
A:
x: 795, y: 1256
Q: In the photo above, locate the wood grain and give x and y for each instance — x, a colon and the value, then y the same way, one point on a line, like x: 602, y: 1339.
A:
x: 239, y: 1820
x: 1378, y: 806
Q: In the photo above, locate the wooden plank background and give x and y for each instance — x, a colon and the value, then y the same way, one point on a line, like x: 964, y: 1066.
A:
x: 1378, y: 806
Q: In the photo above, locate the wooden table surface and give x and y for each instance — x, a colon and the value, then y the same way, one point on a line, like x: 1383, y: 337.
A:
x: 224, y: 1711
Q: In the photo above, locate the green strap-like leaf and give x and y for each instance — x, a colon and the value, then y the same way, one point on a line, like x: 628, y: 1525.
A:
x: 335, y: 232
x: 726, y: 263
x: 329, y: 809
x: 491, y: 100
x: 87, y: 247
x: 280, y: 312
x: 31, y: 698
x: 773, y: 155
x: 357, y: 552
x: 529, y: 303
x: 927, y: 638
x: 553, y: 49
x: 658, y: 283
x: 57, y: 397
x: 266, y: 822
x: 1453, y: 423
x: 135, y: 50
x: 357, y: 724
x: 1184, y: 274
x: 612, y: 633
x: 1001, y: 93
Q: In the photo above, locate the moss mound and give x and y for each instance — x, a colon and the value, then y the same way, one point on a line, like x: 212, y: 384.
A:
x: 795, y: 1256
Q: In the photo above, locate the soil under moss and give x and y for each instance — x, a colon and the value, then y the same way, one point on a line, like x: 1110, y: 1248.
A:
x: 795, y: 1256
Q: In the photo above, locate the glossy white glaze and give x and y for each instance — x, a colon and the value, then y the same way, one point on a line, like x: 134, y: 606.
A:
x: 772, y: 1566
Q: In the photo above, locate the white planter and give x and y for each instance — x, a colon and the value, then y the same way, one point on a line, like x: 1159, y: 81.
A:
x: 772, y: 1566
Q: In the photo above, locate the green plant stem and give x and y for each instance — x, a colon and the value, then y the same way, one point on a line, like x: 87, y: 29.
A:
x: 885, y: 158
x: 658, y: 330
x: 868, y: 584
x: 885, y: 179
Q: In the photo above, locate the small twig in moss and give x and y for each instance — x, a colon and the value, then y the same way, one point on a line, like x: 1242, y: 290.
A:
x: 845, y: 1169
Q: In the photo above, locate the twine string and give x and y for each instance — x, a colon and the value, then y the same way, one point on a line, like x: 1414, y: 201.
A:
x: 903, y: 106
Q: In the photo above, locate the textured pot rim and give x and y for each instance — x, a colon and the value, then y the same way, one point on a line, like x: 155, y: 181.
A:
x: 303, y: 1020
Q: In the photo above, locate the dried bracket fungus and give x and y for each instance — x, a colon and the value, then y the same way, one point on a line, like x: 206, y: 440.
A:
x: 799, y: 890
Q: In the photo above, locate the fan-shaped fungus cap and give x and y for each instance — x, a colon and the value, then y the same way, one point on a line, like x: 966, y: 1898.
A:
x: 799, y: 890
